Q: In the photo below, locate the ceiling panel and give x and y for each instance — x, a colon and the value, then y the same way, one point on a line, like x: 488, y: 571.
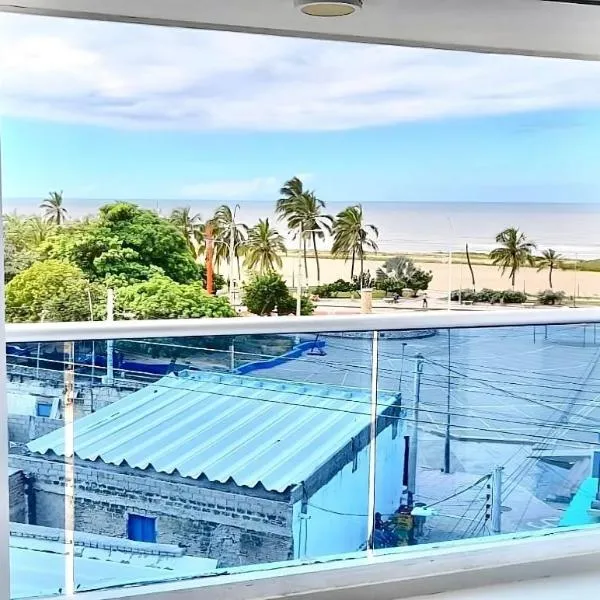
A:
x: 564, y: 29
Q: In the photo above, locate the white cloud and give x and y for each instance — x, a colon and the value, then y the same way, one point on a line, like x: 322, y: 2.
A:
x: 232, y: 189
x: 131, y: 76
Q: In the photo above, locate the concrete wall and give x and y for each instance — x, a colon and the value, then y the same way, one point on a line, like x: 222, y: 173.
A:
x: 17, y: 501
x: 23, y: 428
x: 335, y: 521
x: 233, y: 528
x: 25, y: 388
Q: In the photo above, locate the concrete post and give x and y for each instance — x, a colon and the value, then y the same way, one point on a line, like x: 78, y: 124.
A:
x: 366, y: 301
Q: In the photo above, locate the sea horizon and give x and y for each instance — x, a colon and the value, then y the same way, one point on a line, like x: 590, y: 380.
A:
x: 408, y: 226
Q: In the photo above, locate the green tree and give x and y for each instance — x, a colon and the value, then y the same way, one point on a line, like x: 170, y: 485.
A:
x: 37, y: 231
x: 52, y: 291
x: 268, y: 293
x: 191, y: 228
x: 16, y: 259
x: 550, y: 260
x: 54, y: 210
x: 264, y: 248
x: 223, y: 223
x: 352, y: 237
x: 126, y: 243
x: 306, y: 218
x: 515, y: 251
x: 303, y: 213
x: 400, y: 273
x: 18, y: 255
x: 162, y: 298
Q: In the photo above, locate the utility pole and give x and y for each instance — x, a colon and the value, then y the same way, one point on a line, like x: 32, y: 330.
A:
x: 39, y: 350
x: 299, y: 280
x: 401, y: 369
x: 448, y: 402
x: 414, y: 438
x: 110, y: 344
x: 497, y: 500
x: 89, y: 295
x: 208, y: 236
x: 232, y: 256
x: 69, y: 473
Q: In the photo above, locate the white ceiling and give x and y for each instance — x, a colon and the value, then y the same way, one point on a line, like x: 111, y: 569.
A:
x: 514, y: 26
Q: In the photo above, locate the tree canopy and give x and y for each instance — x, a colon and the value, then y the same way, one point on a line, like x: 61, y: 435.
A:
x: 163, y: 298
x: 514, y: 251
x: 53, y: 290
x: 400, y: 272
x: 268, y: 293
x: 352, y: 237
x: 125, y: 244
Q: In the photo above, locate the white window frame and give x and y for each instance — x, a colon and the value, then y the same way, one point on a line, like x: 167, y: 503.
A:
x: 509, y: 566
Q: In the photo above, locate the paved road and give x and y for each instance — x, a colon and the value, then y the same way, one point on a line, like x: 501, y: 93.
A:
x: 526, y: 392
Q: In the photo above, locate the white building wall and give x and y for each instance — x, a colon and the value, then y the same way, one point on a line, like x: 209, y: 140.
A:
x: 336, y: 520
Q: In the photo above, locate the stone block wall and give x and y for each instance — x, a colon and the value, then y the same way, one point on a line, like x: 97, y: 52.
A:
x: 17, y: 500
x: 233, y: 528
x: 24, y: 428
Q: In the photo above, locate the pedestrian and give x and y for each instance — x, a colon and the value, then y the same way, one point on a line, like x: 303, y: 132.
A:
x: 425, y: 301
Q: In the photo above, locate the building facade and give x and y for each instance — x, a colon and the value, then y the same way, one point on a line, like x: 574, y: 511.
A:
x: 238, y: 469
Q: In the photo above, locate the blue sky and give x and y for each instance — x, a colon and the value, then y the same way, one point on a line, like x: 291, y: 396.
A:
x: 109, y: 111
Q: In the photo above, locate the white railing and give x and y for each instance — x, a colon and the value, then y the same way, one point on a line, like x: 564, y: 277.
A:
x: 549, y: 566
x: 472, y: 565
x: 104, y: 330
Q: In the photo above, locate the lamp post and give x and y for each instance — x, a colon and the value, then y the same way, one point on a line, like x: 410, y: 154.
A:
x: 301, y: 233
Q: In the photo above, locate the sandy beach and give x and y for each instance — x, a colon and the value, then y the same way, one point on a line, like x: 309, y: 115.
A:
x: 586, y: 283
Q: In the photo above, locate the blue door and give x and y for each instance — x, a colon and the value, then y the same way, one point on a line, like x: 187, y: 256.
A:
x: 141, y: 529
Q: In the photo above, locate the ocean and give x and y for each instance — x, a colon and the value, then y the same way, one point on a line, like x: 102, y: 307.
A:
x: 570, y: 228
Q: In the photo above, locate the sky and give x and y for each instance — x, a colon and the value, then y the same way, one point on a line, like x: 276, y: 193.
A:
x: 117, y: 111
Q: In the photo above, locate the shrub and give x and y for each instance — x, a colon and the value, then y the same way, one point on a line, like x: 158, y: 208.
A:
x: 464, y: 295
x: 163, y: 298
x: 513, y: 297
x: 489, y: 296
x: 551, y: 298
x: 400, y: 273
x: 289, y: 306
x: 266, y: 294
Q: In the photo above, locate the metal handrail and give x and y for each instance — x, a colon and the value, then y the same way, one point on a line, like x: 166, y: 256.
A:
x: 409, y: 320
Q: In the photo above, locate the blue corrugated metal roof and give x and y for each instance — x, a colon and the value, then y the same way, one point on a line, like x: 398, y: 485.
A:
x: 225, y: 427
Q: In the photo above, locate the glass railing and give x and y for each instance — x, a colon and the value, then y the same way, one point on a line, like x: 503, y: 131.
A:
x: 151, y: 458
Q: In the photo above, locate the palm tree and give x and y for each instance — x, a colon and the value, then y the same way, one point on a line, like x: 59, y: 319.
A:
x: 223, y: 222
x: 550, y: 260
x: 54, y: 211
x: 292, y: 194
x: 514, y: 252
x: 305, y: 215
x: 37, y: 230
x: 351, y: 237
x: 264, y: 248
x: 190, y: 226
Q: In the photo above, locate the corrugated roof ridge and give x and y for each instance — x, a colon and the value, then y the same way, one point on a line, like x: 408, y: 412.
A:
x: 247, y: 380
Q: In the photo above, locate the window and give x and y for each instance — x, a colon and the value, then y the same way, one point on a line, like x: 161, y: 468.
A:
x: 141, y: 529
x: 43, y: 409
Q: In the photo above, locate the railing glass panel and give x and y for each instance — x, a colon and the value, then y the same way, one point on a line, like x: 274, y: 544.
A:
x: 137, y: 460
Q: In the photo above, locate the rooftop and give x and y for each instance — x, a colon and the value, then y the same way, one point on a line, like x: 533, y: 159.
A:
x: 37, y: 562
x: 225, y: 427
